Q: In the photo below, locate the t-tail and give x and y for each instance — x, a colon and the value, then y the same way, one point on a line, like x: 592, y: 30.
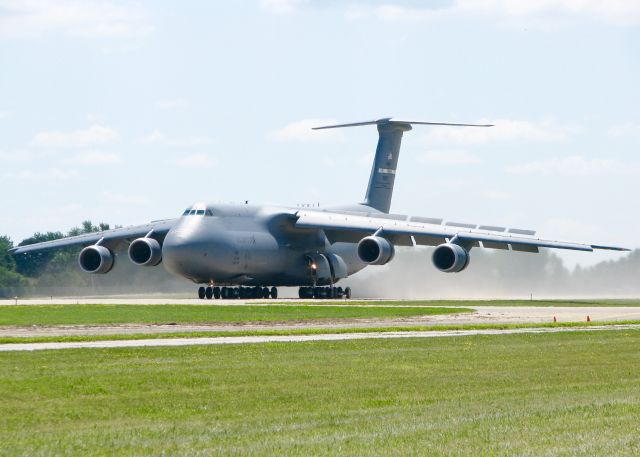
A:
x: 385, y: 163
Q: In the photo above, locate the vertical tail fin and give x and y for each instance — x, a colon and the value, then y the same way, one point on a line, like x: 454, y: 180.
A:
x: 385, y: 163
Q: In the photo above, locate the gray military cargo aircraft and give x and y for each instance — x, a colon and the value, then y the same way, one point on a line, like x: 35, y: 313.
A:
x: 246, y: 251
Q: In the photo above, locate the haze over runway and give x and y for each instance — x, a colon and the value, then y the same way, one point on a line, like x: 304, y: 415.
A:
x: 102, y: 104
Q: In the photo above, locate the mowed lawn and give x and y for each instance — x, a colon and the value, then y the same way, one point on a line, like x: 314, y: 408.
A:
x: 474, y: 303
x: 162, y: 314
x: 552, y: 394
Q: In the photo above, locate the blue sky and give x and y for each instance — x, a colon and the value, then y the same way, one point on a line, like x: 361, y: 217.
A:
x: 129, y: 112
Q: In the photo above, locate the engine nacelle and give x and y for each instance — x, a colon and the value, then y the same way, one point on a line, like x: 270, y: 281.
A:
x: 450, y: 258
x: 96, y: 259
x: 145, y: 252
x: 375, y: 250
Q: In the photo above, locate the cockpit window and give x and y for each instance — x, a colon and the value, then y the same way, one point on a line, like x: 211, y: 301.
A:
x: 209, y: 213
x: 192, y: 212
x: 200, y: 212
x: 186, y: 212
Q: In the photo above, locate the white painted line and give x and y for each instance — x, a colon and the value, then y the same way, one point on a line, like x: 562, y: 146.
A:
x: 292, y: 338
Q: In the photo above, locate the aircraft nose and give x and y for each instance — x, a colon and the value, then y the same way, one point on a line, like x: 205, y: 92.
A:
x: 177, y: 254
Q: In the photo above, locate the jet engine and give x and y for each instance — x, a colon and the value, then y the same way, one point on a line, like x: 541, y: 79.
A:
x: 450, y: 258
x: 375, y: 250
x: 95, y: 259
x: 145, y: 252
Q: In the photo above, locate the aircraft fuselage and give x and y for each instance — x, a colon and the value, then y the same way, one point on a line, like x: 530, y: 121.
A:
x: 249, y: 245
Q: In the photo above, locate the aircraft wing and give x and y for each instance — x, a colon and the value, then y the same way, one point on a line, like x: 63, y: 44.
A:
x: 110, y: 238
x: 413, y: 230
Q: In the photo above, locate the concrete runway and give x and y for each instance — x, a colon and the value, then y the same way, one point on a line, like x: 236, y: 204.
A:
x: 165, y: 342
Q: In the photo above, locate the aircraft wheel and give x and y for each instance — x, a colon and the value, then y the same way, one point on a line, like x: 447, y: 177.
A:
x: 242, y: 292
x: 216, y: 292
x: 224, y: 293
x: 265, y: 292
x: 208, y: 292
x: 236, y: 293
x: 301, y: 292
x: 201, y: 293
x: 347, y: 293
x: 274, y: 292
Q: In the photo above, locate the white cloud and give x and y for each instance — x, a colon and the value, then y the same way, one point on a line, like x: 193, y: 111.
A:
x: 155, y: 137
x: 96, y: 134
x: 125, y: 199
x: 613, y: 12
x: 49, y: 174
x: 302, y: 131
x: 20, y: 155
x: 282, y: 6
x: 197, y: 160
x: 172, y: 103
x: 86, y: 18
x: 95, y: 158
x: 159, y: 138
x: 628, y: 129
x: 493, y: 194
x: 448, y: 157
x: 575, y: 165
x: 4, y: 115
x: 504, y: 130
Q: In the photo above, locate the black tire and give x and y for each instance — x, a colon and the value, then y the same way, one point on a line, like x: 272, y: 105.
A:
x: 216, y: 293
x: 208, y: 292
x: 224, y: 293
x: 201, y: 293
x: 301, y: 293
x: 274, y: 292
x: 347, y: 293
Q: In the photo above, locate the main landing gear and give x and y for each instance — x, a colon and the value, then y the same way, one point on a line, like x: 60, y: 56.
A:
x: 236, y: 292
x: 324, y: 292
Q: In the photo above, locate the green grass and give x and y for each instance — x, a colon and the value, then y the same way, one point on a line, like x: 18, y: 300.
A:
x: 148, y: 314
x: 305, y: 331
x: 553, y: 394
x: 473, y: 303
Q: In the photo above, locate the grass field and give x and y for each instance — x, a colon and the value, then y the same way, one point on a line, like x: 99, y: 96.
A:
x: 553, y: 394
x: 307, y: 331
x: 132, y: 314
x: 473, y: 303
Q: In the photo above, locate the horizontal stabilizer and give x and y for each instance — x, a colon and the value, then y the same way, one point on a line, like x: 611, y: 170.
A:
x: 393, y: 120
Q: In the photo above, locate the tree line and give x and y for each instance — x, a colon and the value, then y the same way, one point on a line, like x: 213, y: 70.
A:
x: 25, y: 271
